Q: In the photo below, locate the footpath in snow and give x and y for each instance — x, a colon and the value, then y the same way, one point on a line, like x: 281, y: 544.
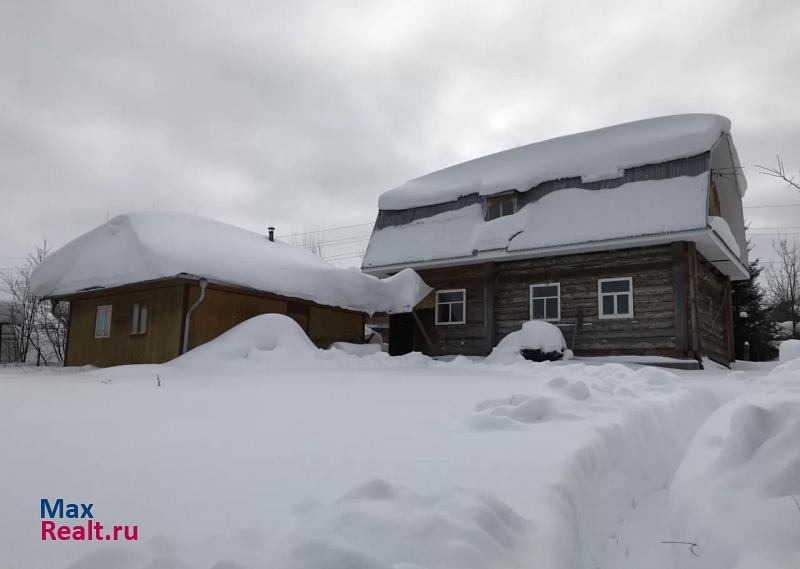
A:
x: 258, y: 450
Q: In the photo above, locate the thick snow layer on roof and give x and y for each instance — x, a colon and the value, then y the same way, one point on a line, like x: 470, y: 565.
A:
x: 565, y: 217
x: 593, y: 155
x: 153, y: 245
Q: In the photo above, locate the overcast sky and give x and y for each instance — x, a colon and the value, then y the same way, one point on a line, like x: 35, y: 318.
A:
x: 299, y: 114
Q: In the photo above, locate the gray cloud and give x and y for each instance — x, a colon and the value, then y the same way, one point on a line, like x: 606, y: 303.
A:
x: 300, y: 114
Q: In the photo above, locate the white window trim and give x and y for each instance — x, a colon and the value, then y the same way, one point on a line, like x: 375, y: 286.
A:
x: 139, y: 316
x: 108, y: 318
x: 436, y: 308
x: 600, y: 299
x: 530, y: 301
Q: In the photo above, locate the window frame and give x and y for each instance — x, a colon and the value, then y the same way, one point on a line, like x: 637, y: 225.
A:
x: 500, y: 199
x: 601, y: 294
x: 140, y: 309
x: 463, y: 320
x: 106, y: 323
x: 558, y: 299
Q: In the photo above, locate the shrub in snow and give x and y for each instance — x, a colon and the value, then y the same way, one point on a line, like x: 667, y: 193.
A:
x: 266, y: 333
x: 537, y: 340
x: 789, y: 350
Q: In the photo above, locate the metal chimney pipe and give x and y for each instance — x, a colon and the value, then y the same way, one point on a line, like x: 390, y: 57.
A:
x: 271, y: 233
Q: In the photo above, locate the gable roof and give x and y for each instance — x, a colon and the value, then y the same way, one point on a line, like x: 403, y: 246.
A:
x: 594, y: 155
x: 141, y: 247
x: 641, y: 183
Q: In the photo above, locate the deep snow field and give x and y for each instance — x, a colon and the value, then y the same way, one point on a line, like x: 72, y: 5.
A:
x: 259, y: 451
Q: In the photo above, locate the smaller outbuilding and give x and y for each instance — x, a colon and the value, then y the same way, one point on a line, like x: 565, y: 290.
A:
x: 146, y: 287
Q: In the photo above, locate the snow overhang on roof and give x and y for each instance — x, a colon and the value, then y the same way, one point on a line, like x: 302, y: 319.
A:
x: 646, y: 181
x: 591, y: 156
x: 143, y: 247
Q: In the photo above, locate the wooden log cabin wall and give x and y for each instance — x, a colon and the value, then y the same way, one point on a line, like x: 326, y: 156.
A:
x: 681, y: 304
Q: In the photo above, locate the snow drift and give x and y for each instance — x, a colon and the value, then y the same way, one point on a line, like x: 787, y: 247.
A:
x: 743, y: 466
x: 148, y: 246
x: 262, y: 335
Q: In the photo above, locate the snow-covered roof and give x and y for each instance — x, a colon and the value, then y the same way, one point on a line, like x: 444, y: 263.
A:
x: 628, y: 185
x: 594, y: 155
x: 146, y: 246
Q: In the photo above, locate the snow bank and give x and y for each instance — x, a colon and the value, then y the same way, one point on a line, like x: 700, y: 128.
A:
x: 358, y: 349
x: 627, y: 457
x: 380, y: 526
x: 259, y: 336
x: 569, y: 216
x: 593, y: 155
x: 789, y: 350
x: 736, y: 493
x: 148, y: 246
x: 534, y: 335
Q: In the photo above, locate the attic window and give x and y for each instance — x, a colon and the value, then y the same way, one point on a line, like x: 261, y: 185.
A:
x: 499, y: 206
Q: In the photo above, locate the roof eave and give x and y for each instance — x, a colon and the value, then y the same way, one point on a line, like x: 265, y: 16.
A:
x: 733, y: 265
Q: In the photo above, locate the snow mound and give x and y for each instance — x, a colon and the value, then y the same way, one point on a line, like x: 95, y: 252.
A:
x: 357, y: 349
x: 534, y: 335
x: 381, y: 526
x: 789, y: 350
x: 148, y: 246
x: 744, y: 465
x: 261, y: 336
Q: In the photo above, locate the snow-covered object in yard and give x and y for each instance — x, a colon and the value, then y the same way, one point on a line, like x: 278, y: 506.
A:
x: 372, y: 336
x: 147, y: 246
x: 789, y: 350
x: 594, y: 155
x: 265, y: 334
x: 534, y: 335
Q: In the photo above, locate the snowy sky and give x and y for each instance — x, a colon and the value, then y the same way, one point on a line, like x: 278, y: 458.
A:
x: 299, y: 114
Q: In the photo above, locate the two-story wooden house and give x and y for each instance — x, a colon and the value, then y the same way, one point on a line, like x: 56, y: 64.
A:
x: 626, y: 237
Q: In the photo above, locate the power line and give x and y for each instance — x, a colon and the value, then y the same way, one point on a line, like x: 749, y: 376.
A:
x: 772, y: 205
x: 324, y: 230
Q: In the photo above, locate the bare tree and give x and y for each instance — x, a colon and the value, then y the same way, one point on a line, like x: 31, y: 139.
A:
x: 35, y: 326
x: 783, y: 279
x: 780, y: 172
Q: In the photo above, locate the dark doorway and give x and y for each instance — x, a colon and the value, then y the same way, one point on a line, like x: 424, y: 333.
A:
x: 401, y: 334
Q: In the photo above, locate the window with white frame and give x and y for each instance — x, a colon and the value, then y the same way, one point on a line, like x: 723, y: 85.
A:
x: 139, y: 319
x: 451, y: 306
x: 546, y: 301
x: 615, y: 297
x: 102, y: 321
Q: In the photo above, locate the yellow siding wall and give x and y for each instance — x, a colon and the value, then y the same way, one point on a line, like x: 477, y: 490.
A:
x: 221, y: 310
x: 159, y: 344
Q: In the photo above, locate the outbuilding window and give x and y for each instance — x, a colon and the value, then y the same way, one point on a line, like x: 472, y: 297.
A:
x: 499, y: 206
x: 139, y: 319
x: 615, y: 297
x: 451, y: 306
x: 102, y: 321
x: 546, y: 301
